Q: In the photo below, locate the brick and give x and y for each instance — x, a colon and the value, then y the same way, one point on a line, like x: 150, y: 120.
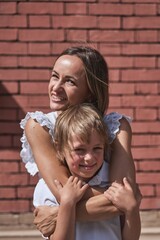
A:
x: 12, y: 48
x: 149, y: 166
x: 141, y: 75
x: 9, y: 127
x: 109, y: 22
x: 141, y: 49
x: 8, y: 8
x: 31, y: 88
x: 10, y: 102
x: 148, y: 88
x: 7, y: 193
x: 14, y: 206
x: 39, y: 74
x: 8, y: 61
x: 72, y: 22
x: 40, y: 8
x: 146, y: 153
x: 35, y: 62
x: 140, y: 1
x: 76, y: 8
x: 33, y: 180
x: 39, y: 101
x: 111, y: 36
x: 12, y: 74
x: 13, y: 21
x: 9, y: 87
x: 145, y: 9
x: 144, y: 62
x: 76, y: 35
x: 9, y: 167
x: 114, y: 75
x: 5, y: 141
x: 121, y: 88
x: 115, y: 102
x: 146, y: 114
x: 148, y: 36
x: 125, y: 111
x: 110, y: 49
x: 9, y: 155
x: 39, y: 48
x: 148, y: 178
x: 145, y: 127
x: 25, y: 192
x: 147, y: 190
x: 150, y: 203
x: 13, y: 179
x: 140, y: 101
x: 39, y: 21
x: 146, y: 140
x: 8, y: 34
x: 158, y: 190
x: 141, y: 23
x: 119, y: 62
x: 110, y: 9
x: 41, y: 35
x: 57, y: 48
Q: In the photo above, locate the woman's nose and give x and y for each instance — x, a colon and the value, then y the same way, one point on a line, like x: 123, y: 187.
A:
x: 57, y: 86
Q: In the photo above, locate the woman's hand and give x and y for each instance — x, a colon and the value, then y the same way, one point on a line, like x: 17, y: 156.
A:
x: 45, y: 219
x: 122, y: 196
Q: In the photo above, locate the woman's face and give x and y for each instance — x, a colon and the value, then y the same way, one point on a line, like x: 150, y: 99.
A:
x: 68, y: 85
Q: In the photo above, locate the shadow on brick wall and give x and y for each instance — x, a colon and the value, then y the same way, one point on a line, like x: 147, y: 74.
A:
x: 10, y: 115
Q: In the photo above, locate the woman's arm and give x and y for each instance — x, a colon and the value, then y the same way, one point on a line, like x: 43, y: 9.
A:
x: 122, y: 164
x: 123, y: 197
x: 45, y: 155
x: 50, y: 168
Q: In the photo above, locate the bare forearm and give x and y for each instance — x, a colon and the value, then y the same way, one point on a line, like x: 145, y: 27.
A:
x: 65, y: 227
x: 97, y: 207
x: 132, y: 226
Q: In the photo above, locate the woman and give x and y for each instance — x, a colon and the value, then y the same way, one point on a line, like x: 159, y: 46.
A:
x: 80, y: 74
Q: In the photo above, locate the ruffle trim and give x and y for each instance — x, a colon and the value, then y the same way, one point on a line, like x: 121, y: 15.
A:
x: 112, y: 120
x: 26, y: 152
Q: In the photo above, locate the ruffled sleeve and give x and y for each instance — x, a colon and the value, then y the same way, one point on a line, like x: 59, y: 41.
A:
x: 45, y: 120
x: 112, y: 121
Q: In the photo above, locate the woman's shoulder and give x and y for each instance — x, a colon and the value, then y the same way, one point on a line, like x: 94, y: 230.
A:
x: 113, y: 121
x: 39, y: 117
x: 28, y: 123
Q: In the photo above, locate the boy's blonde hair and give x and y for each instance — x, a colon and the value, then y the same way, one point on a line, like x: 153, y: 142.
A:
x: 79, y: 120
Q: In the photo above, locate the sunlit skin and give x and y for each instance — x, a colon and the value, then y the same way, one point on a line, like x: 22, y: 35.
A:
x: 85, y: 159
x: 68, y: 85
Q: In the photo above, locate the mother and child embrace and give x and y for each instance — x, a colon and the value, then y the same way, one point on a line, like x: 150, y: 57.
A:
x: 86, y: 188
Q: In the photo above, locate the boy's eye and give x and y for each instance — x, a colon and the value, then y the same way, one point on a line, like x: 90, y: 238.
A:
x: 98, y: 148
x: 79, y: 151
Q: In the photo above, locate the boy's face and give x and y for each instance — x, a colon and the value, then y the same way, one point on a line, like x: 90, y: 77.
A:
x: 85, y: 159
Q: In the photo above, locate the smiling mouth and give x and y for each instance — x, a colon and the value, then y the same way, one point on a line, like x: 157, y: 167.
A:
x: 88, y: 167
x: 58, y: 99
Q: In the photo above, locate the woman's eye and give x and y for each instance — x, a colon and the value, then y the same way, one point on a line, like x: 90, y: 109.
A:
x: 54, y: 77
x: 70, y: 82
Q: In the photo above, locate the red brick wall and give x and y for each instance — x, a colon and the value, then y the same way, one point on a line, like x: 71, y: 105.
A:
x: 32, y: 33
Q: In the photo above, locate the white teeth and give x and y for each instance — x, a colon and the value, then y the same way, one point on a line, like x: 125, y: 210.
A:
x: 58, y: 98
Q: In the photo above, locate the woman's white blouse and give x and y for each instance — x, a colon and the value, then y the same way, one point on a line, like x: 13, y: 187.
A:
x: 112, y: 121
